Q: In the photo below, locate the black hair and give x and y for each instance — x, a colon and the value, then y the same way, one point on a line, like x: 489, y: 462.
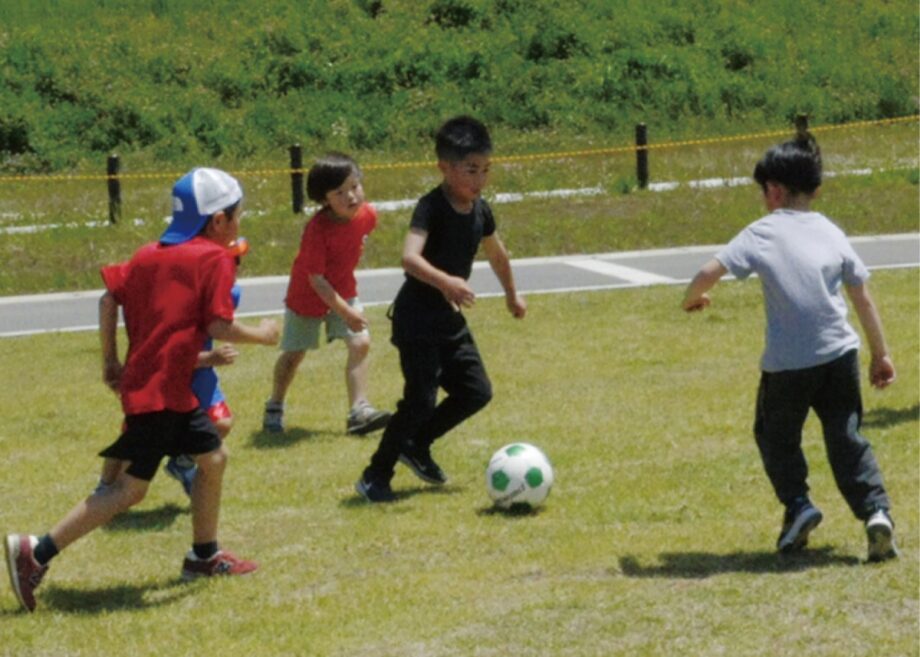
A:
x: 328, y: 173
x: 795, y: 164
x: 228, y: 212
x: 462, y: 136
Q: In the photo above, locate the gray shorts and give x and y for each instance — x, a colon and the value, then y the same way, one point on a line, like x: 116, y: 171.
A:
x: 302, y: 333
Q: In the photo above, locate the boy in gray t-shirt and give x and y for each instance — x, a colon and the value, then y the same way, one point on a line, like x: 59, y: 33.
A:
x: 810, y: 359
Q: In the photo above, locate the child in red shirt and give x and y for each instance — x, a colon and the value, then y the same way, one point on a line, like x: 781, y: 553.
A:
x: 174, y: 293
x: 323, y: 290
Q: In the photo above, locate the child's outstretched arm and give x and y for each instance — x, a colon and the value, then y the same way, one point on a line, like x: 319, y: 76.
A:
x: 108, y: 337
x: 696, y: 297
x: 881, y: 367
x: 501, y: 265
x: 456, y: 290
x: 266, y: 332
x: 355, y: 320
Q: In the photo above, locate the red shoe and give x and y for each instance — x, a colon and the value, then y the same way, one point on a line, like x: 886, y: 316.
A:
x: 222, y: 563
x: 25, y: 573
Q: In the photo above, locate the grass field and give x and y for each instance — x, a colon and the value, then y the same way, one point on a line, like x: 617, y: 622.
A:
x: 657, y: 539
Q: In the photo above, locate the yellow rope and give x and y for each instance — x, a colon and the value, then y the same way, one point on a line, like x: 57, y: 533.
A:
x: 557, y: 155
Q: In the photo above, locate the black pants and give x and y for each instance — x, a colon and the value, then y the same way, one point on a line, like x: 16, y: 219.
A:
x: 454, y: 365
x: 832, y: 390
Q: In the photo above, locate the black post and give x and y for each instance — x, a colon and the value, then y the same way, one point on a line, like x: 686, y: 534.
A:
x: 114, y: 184
x: 801, y: 124
x: 641, y: 155
x: 297, y: 178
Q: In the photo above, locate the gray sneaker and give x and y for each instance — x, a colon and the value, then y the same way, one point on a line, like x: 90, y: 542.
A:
x: 364, y: 418
x: 880, y: 534
x: 273, y: 419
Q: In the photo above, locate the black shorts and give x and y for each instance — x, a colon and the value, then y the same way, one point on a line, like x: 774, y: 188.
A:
x: 148, y: 437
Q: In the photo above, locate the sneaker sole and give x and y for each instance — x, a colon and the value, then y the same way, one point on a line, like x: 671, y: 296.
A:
x: 12, y: 554
x: 800, y: 539
x: 881, y: 544
x: 418, y: 473
x: 375, y: 424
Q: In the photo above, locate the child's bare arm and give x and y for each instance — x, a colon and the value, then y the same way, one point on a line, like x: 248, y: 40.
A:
x: 881, y: 367
x: 355, y: 319
x: 696, y: 297
x: 266, y: 332
x: 501, y: 265
x: 108, y: 337
x: 456, y: 290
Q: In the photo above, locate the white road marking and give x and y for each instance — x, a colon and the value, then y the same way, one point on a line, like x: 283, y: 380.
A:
x: 630, y: 274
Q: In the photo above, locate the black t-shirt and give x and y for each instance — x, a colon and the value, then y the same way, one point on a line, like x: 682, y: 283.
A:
x: 420, y: 311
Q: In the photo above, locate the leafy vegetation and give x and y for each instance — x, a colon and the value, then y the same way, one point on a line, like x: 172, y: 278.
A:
x: 177, y: 82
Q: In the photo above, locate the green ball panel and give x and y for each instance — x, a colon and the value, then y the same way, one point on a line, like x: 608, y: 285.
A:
x: 500, y: 480
x: 534, y: 477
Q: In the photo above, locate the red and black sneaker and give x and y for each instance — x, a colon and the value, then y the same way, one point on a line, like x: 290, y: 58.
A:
x: 25, y: 572
x: 222, y: 563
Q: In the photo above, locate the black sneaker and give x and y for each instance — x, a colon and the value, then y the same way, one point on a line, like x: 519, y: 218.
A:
x: 880, y: 533
x: 374, y: 491
x: 424, y: 467
x: 800, y: 519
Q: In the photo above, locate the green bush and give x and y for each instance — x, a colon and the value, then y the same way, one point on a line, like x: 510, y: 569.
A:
x: 235, y: 80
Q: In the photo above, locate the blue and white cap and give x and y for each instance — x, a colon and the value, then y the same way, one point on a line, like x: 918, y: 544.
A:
x: 196, y: 196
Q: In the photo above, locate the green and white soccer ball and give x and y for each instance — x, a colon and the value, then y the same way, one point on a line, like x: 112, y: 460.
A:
x: 519, y: 474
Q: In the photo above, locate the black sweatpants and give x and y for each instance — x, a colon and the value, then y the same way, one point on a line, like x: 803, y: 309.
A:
x: 454, y: 365
x: 832, y: 390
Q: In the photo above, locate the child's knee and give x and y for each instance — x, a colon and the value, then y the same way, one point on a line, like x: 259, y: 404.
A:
x: 213, y: 463
x: 359, y: 345
x: 479, y: 399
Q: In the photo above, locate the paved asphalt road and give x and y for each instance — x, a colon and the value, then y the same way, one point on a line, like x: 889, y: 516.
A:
x: 265, y: 296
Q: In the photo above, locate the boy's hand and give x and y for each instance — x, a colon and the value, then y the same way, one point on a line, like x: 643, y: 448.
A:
x: 356, y: 321
x: 225, y: 354
x: 881, y: 372
x: 516, y: 306
x: 270, y: 332
x: 111, y: 374
x: 458, y: 292
x: 699, y: 303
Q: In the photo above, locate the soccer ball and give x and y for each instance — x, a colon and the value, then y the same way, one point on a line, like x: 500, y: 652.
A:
x: 519, y: 474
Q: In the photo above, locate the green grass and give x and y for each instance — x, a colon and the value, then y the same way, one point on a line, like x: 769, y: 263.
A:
x: 69, y: 258
x: 657, y: 539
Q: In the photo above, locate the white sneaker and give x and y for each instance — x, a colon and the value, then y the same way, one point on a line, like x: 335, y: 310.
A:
x: 880, y: 534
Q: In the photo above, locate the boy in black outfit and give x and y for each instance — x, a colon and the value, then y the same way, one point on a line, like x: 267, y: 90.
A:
x: 436, y: 348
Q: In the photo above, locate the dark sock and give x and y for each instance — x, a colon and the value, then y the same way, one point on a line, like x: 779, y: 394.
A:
x: 205, y: 550
x: 45, y: 551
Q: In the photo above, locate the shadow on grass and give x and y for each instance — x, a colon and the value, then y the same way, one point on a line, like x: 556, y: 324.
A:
x: 887, y: 417
x: 122, y: 597
x: 402, y: 494
x: 286, y: 438
x: 147, y: 520
x: 698, y: 565
x: 515, y: 511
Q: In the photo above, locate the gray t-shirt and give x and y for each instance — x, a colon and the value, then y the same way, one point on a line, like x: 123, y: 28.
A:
x: 802, y: 259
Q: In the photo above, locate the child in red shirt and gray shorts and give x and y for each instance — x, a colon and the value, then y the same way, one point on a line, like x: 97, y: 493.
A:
x: 323, y: 291
x: 173, y: 293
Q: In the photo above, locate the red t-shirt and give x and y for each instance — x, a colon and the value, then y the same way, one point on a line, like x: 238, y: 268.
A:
x: 169, y: 295
x: 333, y: 250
